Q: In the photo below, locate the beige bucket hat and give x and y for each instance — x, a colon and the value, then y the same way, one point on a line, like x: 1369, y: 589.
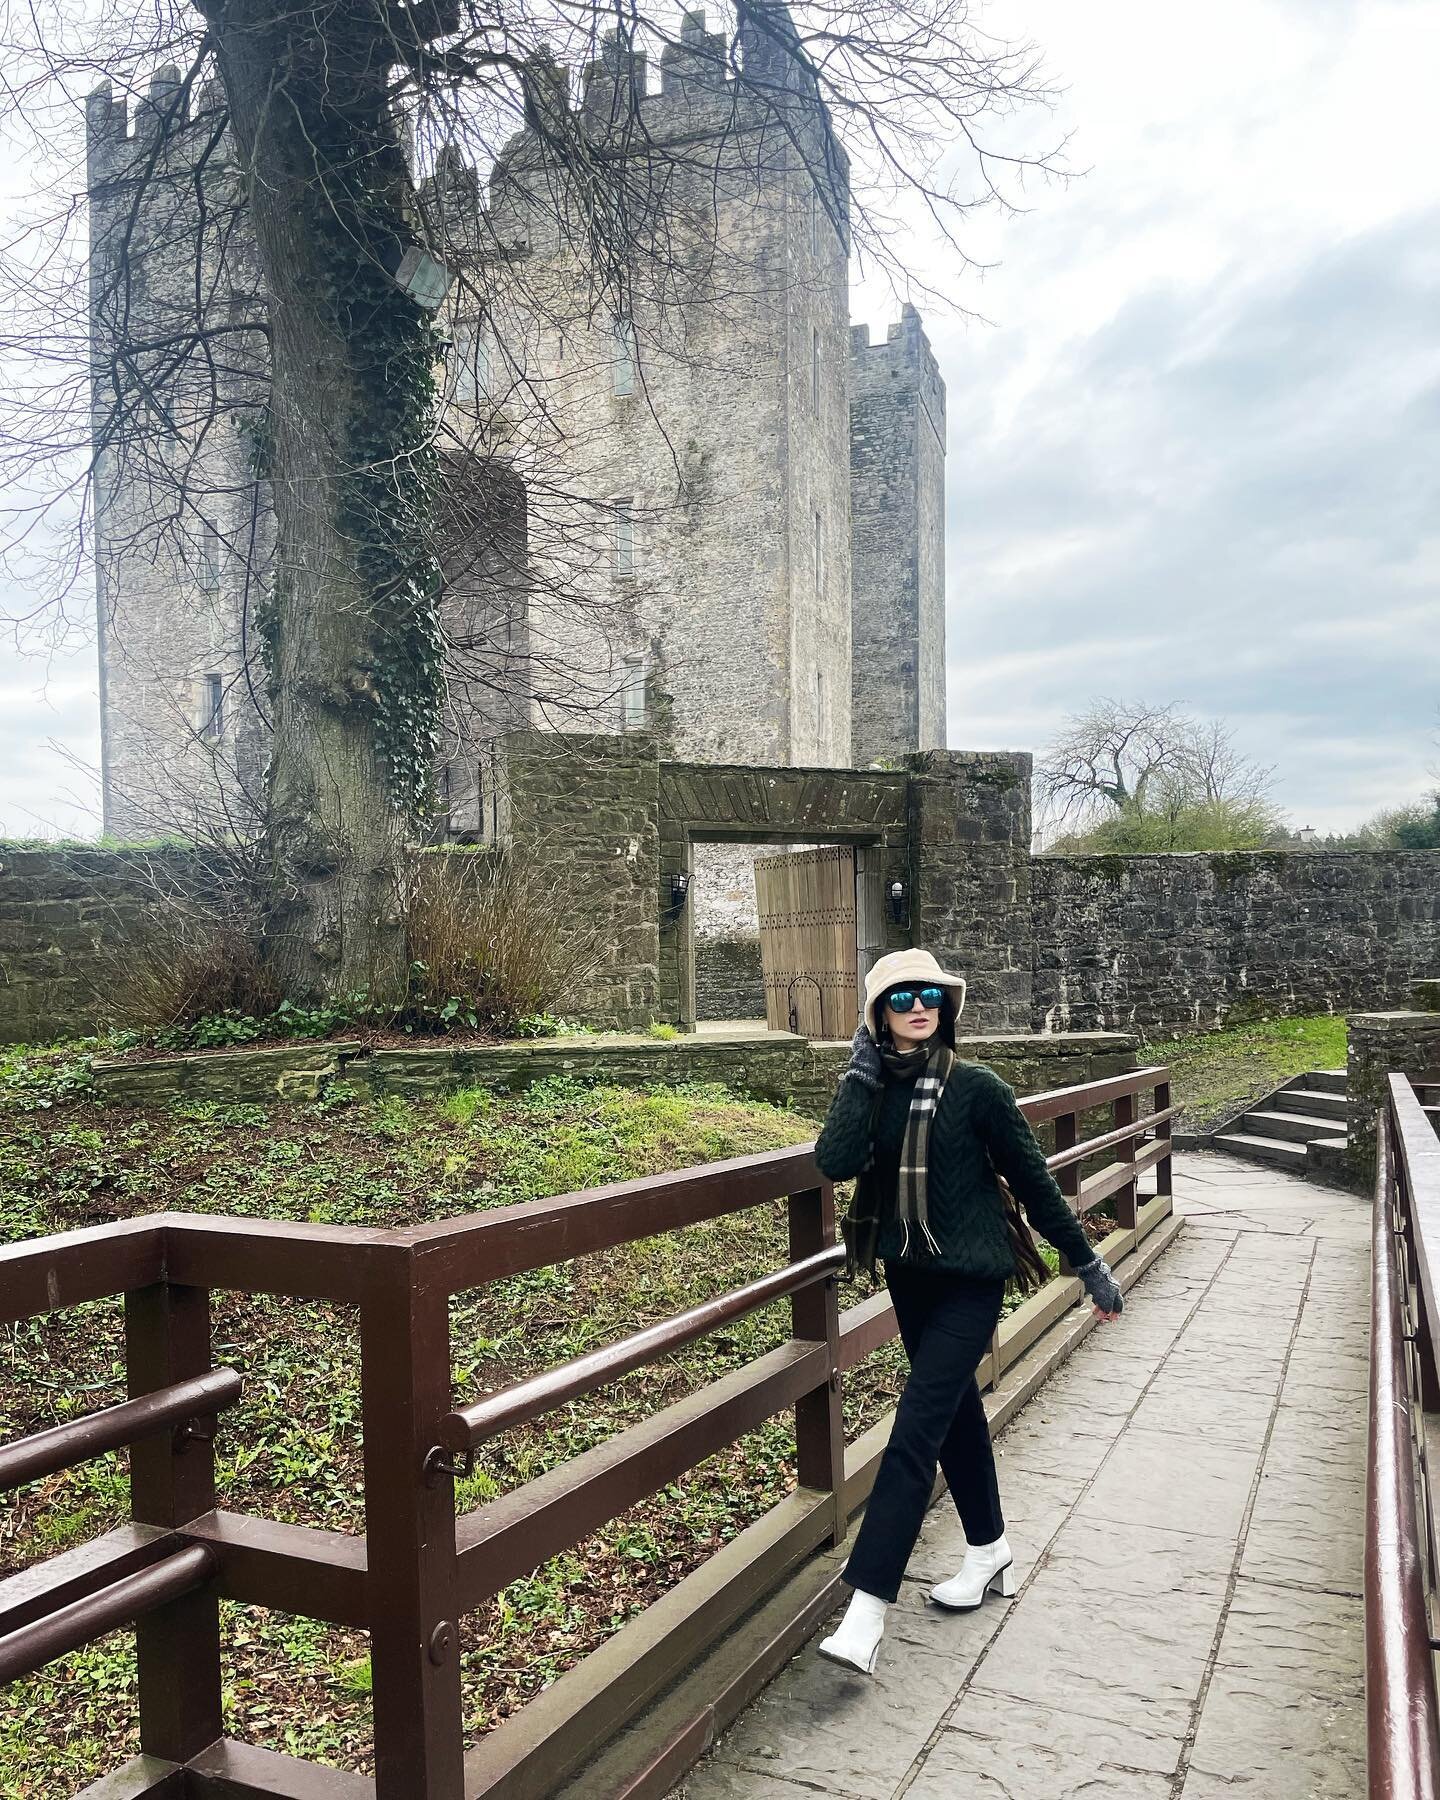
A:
x: 918, y: 966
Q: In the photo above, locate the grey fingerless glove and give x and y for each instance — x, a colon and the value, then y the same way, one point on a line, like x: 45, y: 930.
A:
x: 865, y: 1065
x: 1101, y: 1286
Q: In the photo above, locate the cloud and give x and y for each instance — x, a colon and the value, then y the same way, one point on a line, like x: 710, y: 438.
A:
x: 49, y: 746
x: 1212, y: 476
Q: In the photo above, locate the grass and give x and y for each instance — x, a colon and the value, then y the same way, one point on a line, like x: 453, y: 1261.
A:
x: 1218, y: 1072
x: 290, y: 1450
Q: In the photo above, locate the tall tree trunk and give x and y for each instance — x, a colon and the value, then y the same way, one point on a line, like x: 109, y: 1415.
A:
x: 350, y: 634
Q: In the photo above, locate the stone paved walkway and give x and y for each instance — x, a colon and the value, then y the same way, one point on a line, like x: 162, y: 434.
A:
x: 1186, y: 1503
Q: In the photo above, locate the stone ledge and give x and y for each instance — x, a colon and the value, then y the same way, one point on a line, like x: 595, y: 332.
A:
x: 772, y: 1066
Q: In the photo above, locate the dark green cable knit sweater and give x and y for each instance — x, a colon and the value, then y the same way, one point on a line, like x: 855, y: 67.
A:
x: 977, y: 1114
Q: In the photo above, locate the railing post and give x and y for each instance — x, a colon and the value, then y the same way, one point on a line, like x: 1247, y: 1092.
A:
x: 1066, y: 1137
x: 172, y: 1480
x: 1164, y: 1177
x: 1127, y: 1198
x: 815, y: 1314
x: 410, y: 1534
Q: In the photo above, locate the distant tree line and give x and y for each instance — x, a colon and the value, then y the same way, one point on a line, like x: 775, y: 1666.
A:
x: 1125, y: 777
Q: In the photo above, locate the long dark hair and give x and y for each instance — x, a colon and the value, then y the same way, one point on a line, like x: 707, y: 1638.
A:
x: 945, y: 1030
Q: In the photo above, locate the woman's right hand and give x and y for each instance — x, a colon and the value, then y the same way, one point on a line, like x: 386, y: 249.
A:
x: 865, y: 1065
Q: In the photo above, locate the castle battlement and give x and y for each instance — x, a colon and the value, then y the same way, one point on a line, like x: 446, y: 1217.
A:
x: 901, y: 362
x: 118, y: 147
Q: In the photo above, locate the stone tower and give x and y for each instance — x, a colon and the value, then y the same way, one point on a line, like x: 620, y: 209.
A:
x: 705, y: 429
x: 706, y: 446
x: 180, y: 526
x: 897, y: 543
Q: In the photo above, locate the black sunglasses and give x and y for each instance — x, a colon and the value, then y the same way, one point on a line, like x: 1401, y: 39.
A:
x: 902, y: 999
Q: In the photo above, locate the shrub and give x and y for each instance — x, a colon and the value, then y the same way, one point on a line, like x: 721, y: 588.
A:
x: 498, y: 937
x: 1217, y: 825
x: 185, y: 962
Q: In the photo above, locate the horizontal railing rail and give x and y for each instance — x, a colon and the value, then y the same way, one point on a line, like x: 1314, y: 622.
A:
x: 468, y: 1427
x: 83, y: 1620
x: 167, y: 1571
x: 1402, y: 1709
x: 58, y: 1447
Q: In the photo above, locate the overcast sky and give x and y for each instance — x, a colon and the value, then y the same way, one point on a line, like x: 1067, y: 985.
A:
x: 1193, y: 455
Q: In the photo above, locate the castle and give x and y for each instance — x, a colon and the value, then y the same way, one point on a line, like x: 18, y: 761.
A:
x: 719, y: 517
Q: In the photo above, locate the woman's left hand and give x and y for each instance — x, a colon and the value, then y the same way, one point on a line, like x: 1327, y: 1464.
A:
x: 1102, y: 1288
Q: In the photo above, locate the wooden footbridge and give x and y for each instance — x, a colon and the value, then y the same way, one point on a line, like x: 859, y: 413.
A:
x: 1220, y: 1506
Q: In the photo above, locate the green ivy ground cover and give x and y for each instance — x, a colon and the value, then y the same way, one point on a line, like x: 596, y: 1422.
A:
x: 291, y: 1449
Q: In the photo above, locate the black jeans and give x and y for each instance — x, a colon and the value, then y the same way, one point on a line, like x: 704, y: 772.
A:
x: 946, y: 1322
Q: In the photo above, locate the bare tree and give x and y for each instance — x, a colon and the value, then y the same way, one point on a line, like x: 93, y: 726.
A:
x: 1130, y: 757
x: 291, y: 251
x: 1108, y: 757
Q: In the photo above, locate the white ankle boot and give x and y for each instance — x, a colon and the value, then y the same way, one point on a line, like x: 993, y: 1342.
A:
x: 987, y: 1568
x: 856, y: 1640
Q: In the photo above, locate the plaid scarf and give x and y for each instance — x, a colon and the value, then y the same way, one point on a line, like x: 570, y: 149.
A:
x: 861, y: 1225
x: 934, y: 1060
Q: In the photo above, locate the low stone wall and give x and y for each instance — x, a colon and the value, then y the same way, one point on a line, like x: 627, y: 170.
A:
x: 61, y: 912
x: 729, y: 978
x: 1379, y: 1045
x: 1176, y: 943
x: 774, y: 1067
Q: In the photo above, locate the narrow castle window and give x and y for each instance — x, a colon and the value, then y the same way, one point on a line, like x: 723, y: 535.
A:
x: 622, y: 358
x: 212, y: 704
x: 822, y: 713
x: 815, y: 215
x: 815, y: 371
x: 819, y: 559
x: 210, y: 555
x: 472, y: 364
x: 632, y: 694
x: 624, y: 538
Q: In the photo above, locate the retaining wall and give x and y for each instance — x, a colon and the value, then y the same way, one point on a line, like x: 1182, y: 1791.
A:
x: 1176, y: 943
x: 773, y: 1067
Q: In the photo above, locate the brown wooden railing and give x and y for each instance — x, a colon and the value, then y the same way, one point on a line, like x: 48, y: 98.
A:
x: 1402, y: 1549
x: 166, y: 1571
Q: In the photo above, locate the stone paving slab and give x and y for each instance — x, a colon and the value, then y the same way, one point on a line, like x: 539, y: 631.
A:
x: 1186, y: 1504
x: 1284, y: 1717
x: 997, y: 1748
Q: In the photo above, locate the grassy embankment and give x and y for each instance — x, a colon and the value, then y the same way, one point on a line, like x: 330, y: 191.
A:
x: 291, y: 1449
x: 1216, y: 1073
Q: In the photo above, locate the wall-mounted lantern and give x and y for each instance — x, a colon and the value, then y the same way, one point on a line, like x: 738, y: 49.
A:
x: 899, y: 901
x: 679, y: 888
x: 425, y: 279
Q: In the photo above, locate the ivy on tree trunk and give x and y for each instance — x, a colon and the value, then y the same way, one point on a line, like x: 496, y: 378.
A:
x: 351, y: 630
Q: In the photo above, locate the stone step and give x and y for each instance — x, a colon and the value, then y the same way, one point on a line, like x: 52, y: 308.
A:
x: 1261, y: 1149
x: 1323, y: 1081
x: 1298, y: 1127
x: 1312, y: 1103
x: 1329, y: 1157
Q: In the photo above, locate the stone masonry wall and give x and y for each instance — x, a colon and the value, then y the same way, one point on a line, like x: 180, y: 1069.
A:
x: 782, y: 1069
x: 1178, y: 943
x: 729, y: 978
x: 1379, y: 1045
x: 587, y: 807
x: 970, y: 853
x: 62, y: 912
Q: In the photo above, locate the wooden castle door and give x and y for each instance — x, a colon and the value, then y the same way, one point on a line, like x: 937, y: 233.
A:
x: 806, y: 903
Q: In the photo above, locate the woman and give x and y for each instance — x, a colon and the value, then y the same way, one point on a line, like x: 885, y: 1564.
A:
x: 927, y: 1135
